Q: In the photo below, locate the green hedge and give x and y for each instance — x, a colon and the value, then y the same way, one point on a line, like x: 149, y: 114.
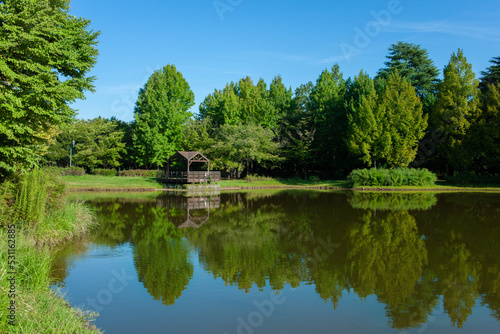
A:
x: 391, y: 177
x: 138, y: 172
x: 104, y: 172
x: 63, y: 171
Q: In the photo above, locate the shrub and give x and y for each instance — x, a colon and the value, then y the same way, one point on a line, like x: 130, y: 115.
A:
x: 314, y: 178
x: 63, y: 171
x: 138, y: 172
x: 104, y: 172
x: 391, y: 177
x: 254, y: 178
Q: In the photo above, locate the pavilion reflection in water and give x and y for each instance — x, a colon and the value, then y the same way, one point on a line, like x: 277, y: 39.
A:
x: 197, y: 209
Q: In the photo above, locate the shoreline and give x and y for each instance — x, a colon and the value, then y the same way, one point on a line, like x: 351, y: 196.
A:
x: 288, y: 187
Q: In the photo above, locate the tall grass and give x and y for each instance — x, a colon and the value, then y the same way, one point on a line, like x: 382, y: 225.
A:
x: 391, y: 177
x: 38, y: 309
x: 31, y: 198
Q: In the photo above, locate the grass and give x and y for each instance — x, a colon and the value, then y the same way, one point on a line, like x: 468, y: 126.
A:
x: 138, y: 183
x: 44, y: 218
x: 37, y: 308
x: 114, y: 183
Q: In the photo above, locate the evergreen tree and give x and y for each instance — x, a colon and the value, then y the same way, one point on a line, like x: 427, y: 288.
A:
x: 491, y: 75
x: 413, y: 63
x: 456, y: 109
x: 45, y: 56
x: 366, y: 137
x: 330, y: 119
x: 404, y: 120
x: 160, y: 113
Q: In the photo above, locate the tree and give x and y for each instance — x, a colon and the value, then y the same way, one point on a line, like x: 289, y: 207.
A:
x: 160, y: 113
x: 413, y: 63
x: 366, y: 137
x: 386, y: 126
x: 456, y: 108
x: 329, y: 117
x: 491, y: 75
x: 45, y: 55
x: 98, y: 143
x: 238, y: 146
x: 403, y: 119
x: 483, y: 143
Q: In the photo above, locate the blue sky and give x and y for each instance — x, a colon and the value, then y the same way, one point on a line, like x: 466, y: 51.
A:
x: 214, y: 42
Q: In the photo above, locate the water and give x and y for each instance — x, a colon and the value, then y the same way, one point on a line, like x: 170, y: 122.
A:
x: 290, y: 262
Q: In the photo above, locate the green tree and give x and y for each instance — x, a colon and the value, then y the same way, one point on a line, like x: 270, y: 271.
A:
x: 456, y: 109
x: 483, y: 143
x: 491, y: 75
x: 237, y: 147
x: 45, y: 55
x: 413, y: 63
x: 366, y: 135
x: 328, y: 113
x: 160, y: 113
x: 403, y: 118
x: 99, y: 144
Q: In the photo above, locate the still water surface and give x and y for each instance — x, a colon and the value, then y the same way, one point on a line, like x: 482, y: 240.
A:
x: 289, y: 262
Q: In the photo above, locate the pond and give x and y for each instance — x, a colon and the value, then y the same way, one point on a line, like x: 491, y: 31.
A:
x: 289, y: 262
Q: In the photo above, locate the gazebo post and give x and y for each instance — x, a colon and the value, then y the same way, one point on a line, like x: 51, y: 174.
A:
x: 188, y: 163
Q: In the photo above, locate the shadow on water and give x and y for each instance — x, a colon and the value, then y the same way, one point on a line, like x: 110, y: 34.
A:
x: 411, y: 251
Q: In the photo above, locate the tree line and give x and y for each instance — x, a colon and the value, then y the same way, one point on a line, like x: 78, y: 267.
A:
x: 404, y: 116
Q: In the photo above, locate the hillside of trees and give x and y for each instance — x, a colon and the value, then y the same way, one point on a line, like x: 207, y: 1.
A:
x: 406, y: 116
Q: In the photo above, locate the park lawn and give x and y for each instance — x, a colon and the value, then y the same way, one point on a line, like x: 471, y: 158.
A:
x: 98, y: 182
x: 283, y: 183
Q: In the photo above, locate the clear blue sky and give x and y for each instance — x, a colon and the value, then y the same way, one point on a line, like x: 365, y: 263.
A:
x: 214, y: 42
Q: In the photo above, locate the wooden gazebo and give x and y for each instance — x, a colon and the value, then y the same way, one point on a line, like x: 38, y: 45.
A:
x: 188, y: 175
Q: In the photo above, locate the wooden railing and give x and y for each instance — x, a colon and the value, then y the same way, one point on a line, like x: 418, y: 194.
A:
x: 185, y: 177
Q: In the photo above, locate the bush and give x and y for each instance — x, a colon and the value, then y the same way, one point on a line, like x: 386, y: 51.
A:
x: 391, y: 177
x: 137, y: 172
x: 314, y: 178
x: 104, y: 172
x: 254, y: 178
x: 74, y: 171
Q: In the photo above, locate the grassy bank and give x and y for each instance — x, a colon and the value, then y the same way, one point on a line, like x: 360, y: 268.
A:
x: 115, y: 183
x: 36, y: 215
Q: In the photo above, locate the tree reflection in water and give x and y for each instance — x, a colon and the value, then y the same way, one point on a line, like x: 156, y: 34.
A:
x: 408, y: 250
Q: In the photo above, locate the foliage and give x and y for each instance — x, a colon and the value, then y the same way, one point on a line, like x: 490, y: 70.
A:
x: 238, y: 146
x: 471, y: 179
x: 246, y: 103
x: 253, y: 178
x: 413, y: 63
x: 137, y: 172
x: 160, y: 113
x: 104, y: 172
x: 386, y: 126
x: 45, y: 55
x: 75, y: 171
x: 391, y: 177
x: 98, y: 143
x: 329, y: 117
x: 392, y: 201
x: 456, y: 109
x: 491, y: 75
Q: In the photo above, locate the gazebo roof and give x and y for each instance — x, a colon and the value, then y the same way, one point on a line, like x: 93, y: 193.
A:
x: 190, y: 156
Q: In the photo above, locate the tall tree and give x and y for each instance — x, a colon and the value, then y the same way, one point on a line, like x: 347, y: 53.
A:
x: 45, y: 56
x: 403, y: 118
x: 413, y: 63
x: 491, y: 75
x: 366, y: 137
x: 328, y: 113
x: 483, y: 143
x: 160, y: 113
x: 456, y: 109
